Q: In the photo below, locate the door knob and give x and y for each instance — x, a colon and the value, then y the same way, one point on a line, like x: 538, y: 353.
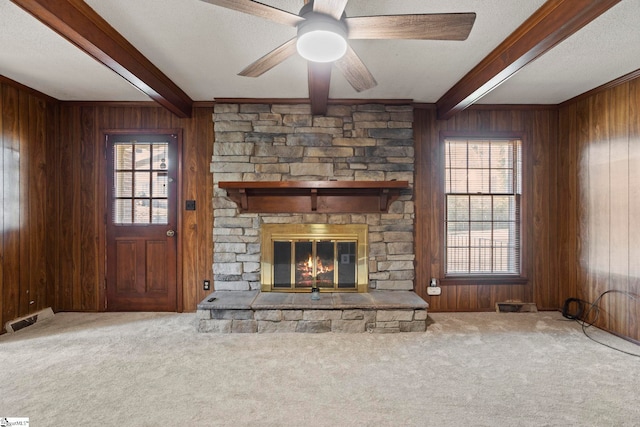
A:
x: 171, y: 233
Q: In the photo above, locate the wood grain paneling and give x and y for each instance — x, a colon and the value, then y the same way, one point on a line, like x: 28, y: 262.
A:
x: 540, y: 129
x: 197, y: 258
x: 52, y: 249
x: 600, y: 158
x: 618, y: 119
x: 80, y: 185
x: 582, y: 169
x: 633, y: 317
x: 26, y: 130
x: 3, y: 207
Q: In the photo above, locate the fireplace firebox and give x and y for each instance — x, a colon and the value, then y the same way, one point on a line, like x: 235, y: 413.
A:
x: 299, y: 257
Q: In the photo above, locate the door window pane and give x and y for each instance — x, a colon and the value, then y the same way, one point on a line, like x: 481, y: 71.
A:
x: 141, y: 212
x: 140, y: 181
x: 124, y: 184
x: 160, y: 214
x: 123, y: 156
x: 143, y: 156
x: 142, y: 184
x: 159, y: 184
x: 122, y: 211
x: 160, y: 160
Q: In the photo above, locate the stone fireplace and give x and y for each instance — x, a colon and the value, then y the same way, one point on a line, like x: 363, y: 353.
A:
x: 264, y: 142
x: 303, y: 201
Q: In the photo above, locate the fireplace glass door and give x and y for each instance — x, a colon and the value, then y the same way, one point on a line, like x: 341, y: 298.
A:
x: 299, y: 257
x: 326, y: 264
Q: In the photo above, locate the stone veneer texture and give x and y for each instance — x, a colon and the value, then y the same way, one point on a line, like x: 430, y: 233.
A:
x: 260, y: 142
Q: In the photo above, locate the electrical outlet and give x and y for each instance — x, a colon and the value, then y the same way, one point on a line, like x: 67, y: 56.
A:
x: 207, y: 285
x: 434, y: 290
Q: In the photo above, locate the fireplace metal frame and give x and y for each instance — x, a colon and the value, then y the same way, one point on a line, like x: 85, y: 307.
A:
x: 292, y: 232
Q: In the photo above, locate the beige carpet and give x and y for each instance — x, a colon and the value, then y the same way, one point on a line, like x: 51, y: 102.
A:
x: 468, y: 369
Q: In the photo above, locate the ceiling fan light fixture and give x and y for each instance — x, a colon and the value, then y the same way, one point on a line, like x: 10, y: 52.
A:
x: 321, y: 40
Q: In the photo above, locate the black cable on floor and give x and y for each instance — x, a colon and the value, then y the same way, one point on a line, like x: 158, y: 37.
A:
x: 580, y: 315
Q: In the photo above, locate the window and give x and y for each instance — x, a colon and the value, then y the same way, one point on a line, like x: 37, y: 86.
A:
x: 140, y: 182
x: 482, y: 199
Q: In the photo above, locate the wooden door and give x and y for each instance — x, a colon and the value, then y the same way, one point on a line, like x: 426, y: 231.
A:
x: 142, y: 222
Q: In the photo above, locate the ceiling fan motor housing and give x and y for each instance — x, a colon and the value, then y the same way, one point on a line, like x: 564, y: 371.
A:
x: 321, y: 38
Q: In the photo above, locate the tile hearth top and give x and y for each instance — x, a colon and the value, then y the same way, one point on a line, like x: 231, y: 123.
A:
x: 256, y: 300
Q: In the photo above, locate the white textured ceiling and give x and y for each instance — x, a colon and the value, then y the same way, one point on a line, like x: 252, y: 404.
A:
x: 606, y: 49
x: 202, y: 47
x: 32, y: 54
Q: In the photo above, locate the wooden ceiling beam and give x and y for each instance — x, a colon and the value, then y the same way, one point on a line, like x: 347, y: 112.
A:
x: 82, y: 26
x: 549, y: 25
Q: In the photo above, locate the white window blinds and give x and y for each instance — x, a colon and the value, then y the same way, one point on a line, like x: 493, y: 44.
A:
x: 482, y: 216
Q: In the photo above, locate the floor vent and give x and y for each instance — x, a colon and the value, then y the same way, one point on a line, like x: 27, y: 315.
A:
x: 23, y: 322
x: 516, y: 307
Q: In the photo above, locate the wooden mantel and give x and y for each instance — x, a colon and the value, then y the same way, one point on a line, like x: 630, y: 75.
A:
x: 313, y: 196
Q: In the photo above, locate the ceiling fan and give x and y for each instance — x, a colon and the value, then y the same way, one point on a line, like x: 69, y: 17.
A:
x: 323, y: 29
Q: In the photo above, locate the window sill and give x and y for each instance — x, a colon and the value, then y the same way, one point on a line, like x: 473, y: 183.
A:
x: 484, y: 280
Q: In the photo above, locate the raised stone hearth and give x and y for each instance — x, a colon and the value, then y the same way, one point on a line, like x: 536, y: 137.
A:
x: 254, y: 311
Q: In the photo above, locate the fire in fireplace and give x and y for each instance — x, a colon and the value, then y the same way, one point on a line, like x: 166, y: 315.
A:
x: 303, y: 256
x: 315, y: 263
x: 314, y: 267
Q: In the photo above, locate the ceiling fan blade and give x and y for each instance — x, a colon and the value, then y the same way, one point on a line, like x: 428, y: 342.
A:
x: 333, y: 8
x: 437, y: 26
x: 354, y: 70
x: 259, y: 10
x: 270, y: 60
x: 319, y: 80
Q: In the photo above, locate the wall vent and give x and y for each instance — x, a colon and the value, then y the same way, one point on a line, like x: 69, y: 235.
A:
x: 31, y: 319
x: 516, y: 307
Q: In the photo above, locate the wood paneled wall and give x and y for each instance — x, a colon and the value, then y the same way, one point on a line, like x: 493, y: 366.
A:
x: 540, y: 155
x: 80, y: 188
x: 27, y: 131
x: 599, y: 204
x: 582, y: 169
